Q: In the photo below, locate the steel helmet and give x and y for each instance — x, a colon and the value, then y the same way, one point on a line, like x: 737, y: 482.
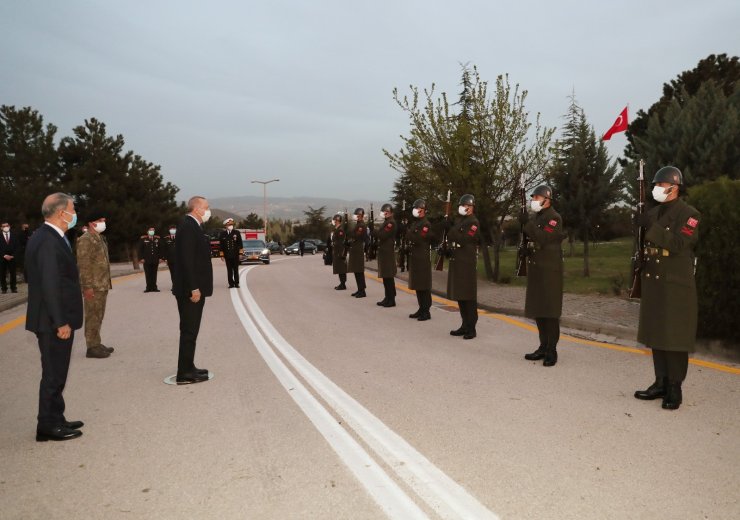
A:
x: 669, y: 174
x: 420, y: 204
x: 386, y: 207
x: 543, y: 190
x: 467, y: 199
x: 359, y: 211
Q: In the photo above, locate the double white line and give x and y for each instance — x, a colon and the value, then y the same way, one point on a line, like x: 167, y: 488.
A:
x: 442, y: 494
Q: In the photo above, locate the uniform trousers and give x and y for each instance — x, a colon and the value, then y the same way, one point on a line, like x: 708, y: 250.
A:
x: 7, y: 267
x: 549, y: 329
x: 390, y: 289
x: 670, y: 365
x: 342, y: 278
x: 55, y: 356
x: 190, y: 316
x: 232, y: 270
x: 468, y: 313
x: 424, y: 298
x: 360, y: 279
x: 150, y: 272
x: 94, y: 313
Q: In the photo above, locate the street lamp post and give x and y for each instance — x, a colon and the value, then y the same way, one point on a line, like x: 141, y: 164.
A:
x: 264, y: 199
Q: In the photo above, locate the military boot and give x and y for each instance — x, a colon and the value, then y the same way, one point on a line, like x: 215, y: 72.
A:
x: 107, y: 349
x: 551, y: 357
x: 536, y: 355
x: 673, y: 397
x: 97, y: 352
x: 416, y: 314
x: 654, y: 391
x: 382, y: 302
x: 341, y: 287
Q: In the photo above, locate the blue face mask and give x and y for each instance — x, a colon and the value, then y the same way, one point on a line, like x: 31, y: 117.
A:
x: 72, y: 223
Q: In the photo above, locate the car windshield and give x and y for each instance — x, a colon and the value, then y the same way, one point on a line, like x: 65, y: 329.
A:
x: 253, y: 244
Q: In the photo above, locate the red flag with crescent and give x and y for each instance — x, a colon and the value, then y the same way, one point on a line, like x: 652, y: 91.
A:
x: 620, y: 125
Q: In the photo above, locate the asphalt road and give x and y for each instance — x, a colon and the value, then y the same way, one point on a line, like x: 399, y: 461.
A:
x: 326, y: 406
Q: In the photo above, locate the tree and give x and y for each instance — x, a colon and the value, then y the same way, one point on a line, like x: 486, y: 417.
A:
x: 29, y: 168
x: 584, y: 179
x: 253, y: 221
x: 482, y: 149
x: 315, y: 225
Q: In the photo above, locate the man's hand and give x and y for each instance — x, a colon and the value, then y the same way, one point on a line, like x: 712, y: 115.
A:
x: 195, y: 295
x: 88, y: 293
x: 8, y: 257
x: 64, y: 332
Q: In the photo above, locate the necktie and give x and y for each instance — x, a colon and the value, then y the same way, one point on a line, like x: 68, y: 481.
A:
x: 66, y: 241
x: 7, y: 238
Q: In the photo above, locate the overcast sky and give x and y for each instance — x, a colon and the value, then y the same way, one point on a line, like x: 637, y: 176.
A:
x: 220, y: 93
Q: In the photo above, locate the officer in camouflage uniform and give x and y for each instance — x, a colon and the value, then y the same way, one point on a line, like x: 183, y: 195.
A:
x: 231, y: 247
x: 94, y: 267
x: 419, y: 237
x: 544, y: 302
x: 386, y: 235
x: 462, y: 280
x: 168, y: 251
x: 339, y: 259
x: 668, y: 307
x: 150, y: 255
x: 356, y: 262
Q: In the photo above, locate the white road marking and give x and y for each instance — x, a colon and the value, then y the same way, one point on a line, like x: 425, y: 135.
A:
x: 445, y: 496
x: 381, y: 487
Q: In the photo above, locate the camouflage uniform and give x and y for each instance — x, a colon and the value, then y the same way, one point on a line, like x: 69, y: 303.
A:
x: 94, y: 266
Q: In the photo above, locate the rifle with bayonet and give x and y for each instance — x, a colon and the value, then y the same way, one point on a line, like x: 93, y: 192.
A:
x: 372, y: 249
x: 638, y: 258
x: 443, y: 249
x: 403, y: 246
x: 347, y: 239
x: 523, y: 249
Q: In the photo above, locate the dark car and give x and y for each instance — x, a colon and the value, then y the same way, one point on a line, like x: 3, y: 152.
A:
x: 295, y: 249
x: 254, y: 251
x: 213, y: 239
x: 274, y: 247
x: 320, y: 244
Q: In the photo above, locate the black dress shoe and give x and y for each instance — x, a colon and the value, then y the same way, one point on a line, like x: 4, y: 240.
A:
x: 155, y: 290
x: 236, y: 286
x: 360, y: 294
x: 469, y: 335
x: 340, y: 287
x: 200, y: 370
x: 382, y: 302
x: 355, y: 293
x: 190, y: 378
x: 551, y: 357
x: 147, y: 290
x: 389, y: 303
x: 231, y: 286
x: 536, y: 355
x: 673, y: 397
x: 424, y: 317
x: 416, y: 314
x: 74, y: 425
x: 458, y: 332
x: 654, y: 391
x: 58, y: 433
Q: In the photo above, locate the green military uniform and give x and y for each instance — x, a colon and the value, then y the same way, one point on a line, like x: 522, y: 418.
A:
x: 168, y: 254
x: 149, y: 251
x: 386, y: 236
x: 356, y: 262
x: 339, y: 260
x: 419, y: 238
x: 94, y: 267
x: 544, y: 300
x: 462, y: 281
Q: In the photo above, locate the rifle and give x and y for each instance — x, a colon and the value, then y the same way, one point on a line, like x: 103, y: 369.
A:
x: 523, y: 249
x: 443, y: 247
x: 372, y: 250
x: 638, y: 259
x: 402, y: 242
x: 347, y: 241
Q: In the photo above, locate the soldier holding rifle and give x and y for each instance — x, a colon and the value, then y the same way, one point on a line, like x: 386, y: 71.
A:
x: 668, y: 308
x: 356, y: 244
x: 386, y: 237
x: 462, y: 281
x: 339, y: 258
x: 419, y: 237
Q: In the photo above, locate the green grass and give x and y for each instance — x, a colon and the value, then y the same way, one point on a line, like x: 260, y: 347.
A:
x: 609, y: 263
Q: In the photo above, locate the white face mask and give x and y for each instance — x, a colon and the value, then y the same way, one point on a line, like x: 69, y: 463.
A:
x: 462, y: 210
x: 536, y: 206
x: 415, y: 212
x: 150, y: 233
x: 207, y: 215
x: 660, y: 194
x: 99, y: 226
x: 354, y: 218
x: 173, y: 231
x: 229, y: 228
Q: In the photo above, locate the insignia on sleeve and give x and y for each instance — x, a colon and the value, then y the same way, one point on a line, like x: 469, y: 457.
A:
x: 388, y: 226
x: 424, y: 231
x: 473, y: 229
x: 549, y: 229
x: 692, y: 222
x: 686, y: 230
x: 553, y: 222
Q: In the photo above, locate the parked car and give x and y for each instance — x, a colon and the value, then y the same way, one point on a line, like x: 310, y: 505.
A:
x: 213, y: 239
x: 295, y: 249
x: 320, y: 244
x: 274, y: 247
x: 254, y: 251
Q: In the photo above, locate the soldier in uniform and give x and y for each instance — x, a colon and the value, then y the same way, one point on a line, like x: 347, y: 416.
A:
x: 150, y: 256
x: 231, y: 247
x: 356, y: 241
x: 462, y: 280
x: 544, y: 302
x: 94, y: 267
x: 668, y: 307
x: 386, y: 236
x: 419, y: 237
x: 339, y: 260
x: 168, y: 251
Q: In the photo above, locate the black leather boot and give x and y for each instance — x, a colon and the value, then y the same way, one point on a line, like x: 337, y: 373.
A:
x: 415, y: 314
x: 673, y: 397
x: 551, y: 357
x: 341, y: 287
x: 654, y: 391
x: 536, y: 355
x: 382, y: 302
x: 458, y: 332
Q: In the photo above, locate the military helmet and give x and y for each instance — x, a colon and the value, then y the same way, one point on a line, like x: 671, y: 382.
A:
x: 337, y: 216
x: 420, y: 204
x: 359, y: 211
x: 669, y: 174
x: 467, y: 199
x: 543, y: 190
x: 386, y: 207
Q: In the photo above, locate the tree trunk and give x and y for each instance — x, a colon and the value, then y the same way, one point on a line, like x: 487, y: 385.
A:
x: 132, y: 253
x: 586, y: 270
x: 571, y: 240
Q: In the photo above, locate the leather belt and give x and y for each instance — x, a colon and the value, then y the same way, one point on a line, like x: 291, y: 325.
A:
x: 657, y: 251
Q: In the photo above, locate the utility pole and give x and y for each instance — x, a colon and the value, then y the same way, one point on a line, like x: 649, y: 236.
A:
x: 264, y: 199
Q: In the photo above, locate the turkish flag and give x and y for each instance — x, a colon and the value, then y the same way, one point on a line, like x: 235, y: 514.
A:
x: 620, y: 125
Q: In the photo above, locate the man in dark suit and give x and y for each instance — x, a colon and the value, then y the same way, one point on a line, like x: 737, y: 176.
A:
x: 54, y: 312
x: 9, y: 249
x: 193, y: 283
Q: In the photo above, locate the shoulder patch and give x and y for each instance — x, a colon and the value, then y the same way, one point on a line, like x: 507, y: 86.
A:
x: 692, y: 222
x: 553, y: 222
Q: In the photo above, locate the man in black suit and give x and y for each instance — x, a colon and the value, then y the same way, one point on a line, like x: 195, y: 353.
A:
x: 193, y: 282
x: 9, y: 249
x: 54, y: 312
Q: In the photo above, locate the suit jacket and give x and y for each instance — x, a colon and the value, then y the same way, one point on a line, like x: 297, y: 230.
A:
x: 54, y: 293
x: 193, y: 259
x: 12, y: 248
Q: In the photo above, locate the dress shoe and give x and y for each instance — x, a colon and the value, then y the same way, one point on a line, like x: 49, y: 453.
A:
x: 673, y: 397
x: 73, y: 425
x: 200, y: 370
x: 97, y: 352
x: 236, y: 286
x: 190, y: 378
x: 360, y: 294
x: 155, y: 290
x: 355, y: 293
x: 147, y: 290
x: 107, y: 349
x: 551, y: 357
x: 231, y: 286
x: 340, y: 287
x: 58, y: 433
x: 382, y: 302
x: 536, y: 355
x: 424, y: 316
x: 416, y: 314
x: 469, y: 334
x: 458, y: 332
x: 654, y: 391
x: 389, y: 303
